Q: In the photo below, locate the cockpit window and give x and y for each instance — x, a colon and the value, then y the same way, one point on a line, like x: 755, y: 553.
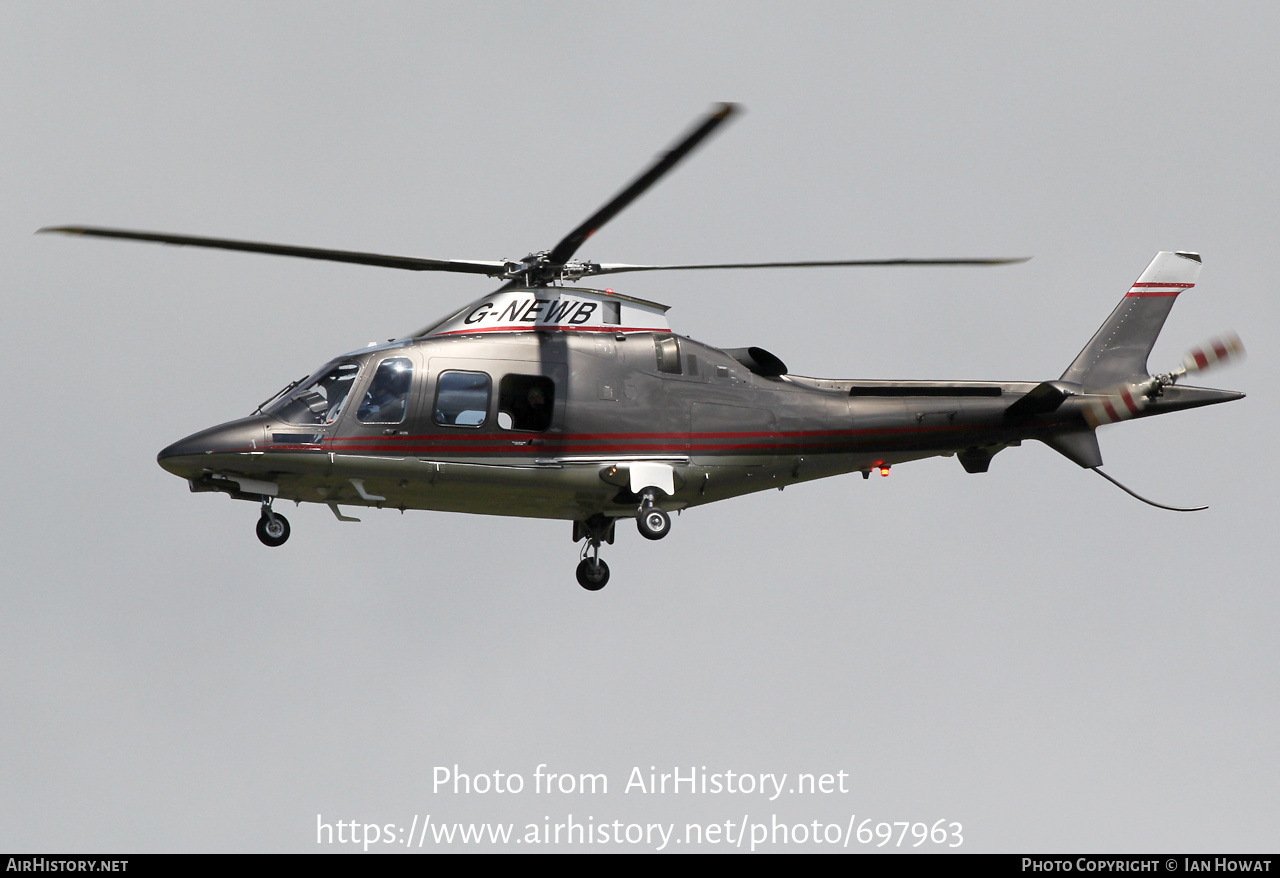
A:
x: 319, y: 400
x: 462, y: 399
x: 387, y: 399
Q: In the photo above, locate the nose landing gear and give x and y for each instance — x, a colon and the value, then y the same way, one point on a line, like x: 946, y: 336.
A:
x: 593, y: 573
x: 273, y: 529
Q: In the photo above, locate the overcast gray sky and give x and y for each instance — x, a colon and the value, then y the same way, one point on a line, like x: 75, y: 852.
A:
x: 1028, y: 652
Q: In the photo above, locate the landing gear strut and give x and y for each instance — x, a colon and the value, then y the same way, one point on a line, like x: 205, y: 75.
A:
x: 273, y: 529
x: 593, y: 573
x: 652, y: 522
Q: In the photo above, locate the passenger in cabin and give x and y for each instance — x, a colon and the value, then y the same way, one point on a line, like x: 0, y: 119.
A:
x: 528, y: 400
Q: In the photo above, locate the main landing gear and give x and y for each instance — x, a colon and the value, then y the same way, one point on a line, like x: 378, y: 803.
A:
x: 652, y: 522
x: 273, y: 528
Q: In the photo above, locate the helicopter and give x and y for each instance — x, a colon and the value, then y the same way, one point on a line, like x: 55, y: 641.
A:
x: 548, y: 401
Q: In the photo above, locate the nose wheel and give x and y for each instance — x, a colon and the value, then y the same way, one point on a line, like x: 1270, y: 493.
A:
x: 593, y: 573
x: 273, y: 528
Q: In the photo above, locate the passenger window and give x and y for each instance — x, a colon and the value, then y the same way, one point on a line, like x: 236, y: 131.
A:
x: 462, y: 399
x: 668, y: 350
x: 387, y: 399
x: 526, y: 402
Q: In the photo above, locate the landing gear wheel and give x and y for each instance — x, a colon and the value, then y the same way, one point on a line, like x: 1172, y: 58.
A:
x: 653, y: 523
x: 273, y: 532
x: 593, y: 574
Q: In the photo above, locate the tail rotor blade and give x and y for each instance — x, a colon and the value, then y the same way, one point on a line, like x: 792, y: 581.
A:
x: 1212, y: 353
x: 1118, y: 403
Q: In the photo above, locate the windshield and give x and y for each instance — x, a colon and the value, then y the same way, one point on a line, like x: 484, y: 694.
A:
x: 319, y: 400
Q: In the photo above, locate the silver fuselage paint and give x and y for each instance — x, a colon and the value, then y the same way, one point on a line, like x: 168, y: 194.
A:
x: 624, y: 390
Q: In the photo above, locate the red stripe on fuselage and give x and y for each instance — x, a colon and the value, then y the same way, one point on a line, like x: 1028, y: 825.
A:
x: 570, y: 438
x: 856, y: 439
x: 542, y: 445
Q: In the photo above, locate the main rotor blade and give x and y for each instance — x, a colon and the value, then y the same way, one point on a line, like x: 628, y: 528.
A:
x: 618, y: 268
x: 570, y: 243
x: 409, y: 263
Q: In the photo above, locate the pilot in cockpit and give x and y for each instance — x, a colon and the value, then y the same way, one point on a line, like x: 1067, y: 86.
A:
x: 387, y: 397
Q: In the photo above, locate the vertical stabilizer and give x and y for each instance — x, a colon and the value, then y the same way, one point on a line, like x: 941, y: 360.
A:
x: 1118, y: 351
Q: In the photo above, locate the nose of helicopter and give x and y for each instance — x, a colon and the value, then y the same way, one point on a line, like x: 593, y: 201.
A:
x: 190, y: 456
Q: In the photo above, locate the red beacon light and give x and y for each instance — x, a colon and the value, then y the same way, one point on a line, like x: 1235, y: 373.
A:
x: 884, y: 470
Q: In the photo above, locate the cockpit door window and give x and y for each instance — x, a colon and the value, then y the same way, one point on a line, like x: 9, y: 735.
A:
x: 387, y: 399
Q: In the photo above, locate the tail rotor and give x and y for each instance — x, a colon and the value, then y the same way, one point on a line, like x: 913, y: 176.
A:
x: 1215, y: 352
x: 1123, y: 401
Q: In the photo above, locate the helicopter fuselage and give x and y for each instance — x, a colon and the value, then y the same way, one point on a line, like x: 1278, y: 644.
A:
x: 575, y: 421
